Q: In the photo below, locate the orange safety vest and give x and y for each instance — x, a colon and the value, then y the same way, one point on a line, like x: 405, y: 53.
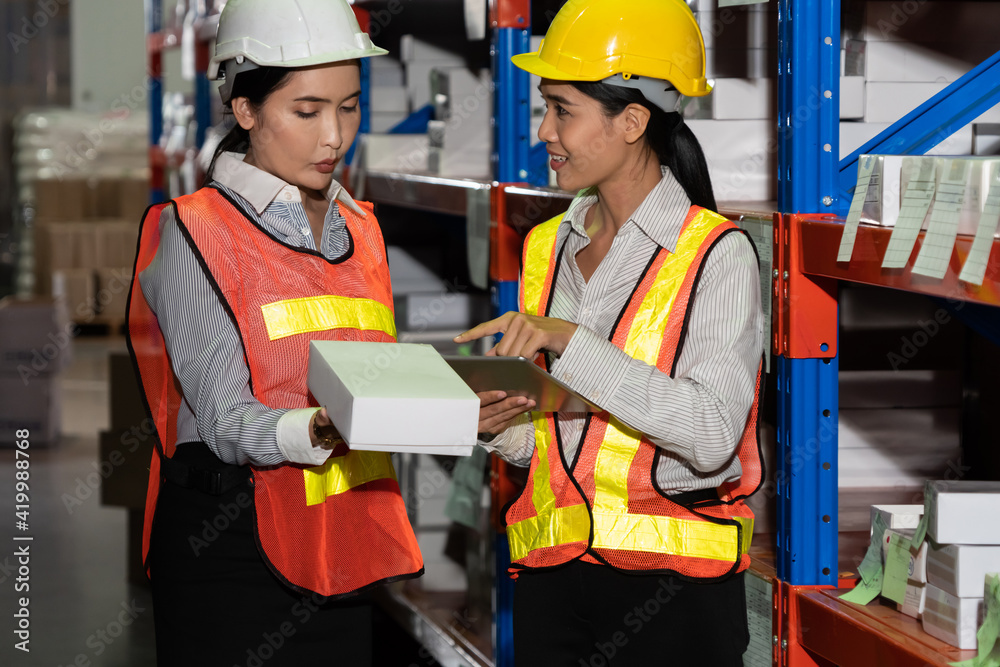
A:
x: 332, y: 529
x: 606, y: 507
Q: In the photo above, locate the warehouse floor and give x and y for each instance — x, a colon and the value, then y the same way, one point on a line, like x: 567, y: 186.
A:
x: 82, y: 610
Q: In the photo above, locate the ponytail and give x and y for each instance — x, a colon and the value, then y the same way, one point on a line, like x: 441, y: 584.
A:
x: 667, y: 135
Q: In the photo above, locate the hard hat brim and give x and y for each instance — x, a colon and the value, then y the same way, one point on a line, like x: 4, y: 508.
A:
x: 533, y: 64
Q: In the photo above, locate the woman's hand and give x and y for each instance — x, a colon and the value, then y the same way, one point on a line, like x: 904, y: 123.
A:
x: 523, y: 335
x: 322, y: 432
x: 497, y: 410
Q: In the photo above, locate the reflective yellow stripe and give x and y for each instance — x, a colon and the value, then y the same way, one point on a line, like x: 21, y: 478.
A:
x: 538, y: 254
x: 343, y: 473
x: 561, y: 525
x: 645, y: 337
x: 322, y: 313
x: 747, y: 524
x: 542, y: 496
x: 664, y: 535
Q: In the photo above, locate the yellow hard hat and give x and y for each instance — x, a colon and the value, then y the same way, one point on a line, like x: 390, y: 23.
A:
x: 593, y: 40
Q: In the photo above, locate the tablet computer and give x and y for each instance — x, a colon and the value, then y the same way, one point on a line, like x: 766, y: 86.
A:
x: 519, y: 377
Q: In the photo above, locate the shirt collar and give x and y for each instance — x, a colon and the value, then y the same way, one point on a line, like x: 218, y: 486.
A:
x: 260, y: 188
x: 660, y: 216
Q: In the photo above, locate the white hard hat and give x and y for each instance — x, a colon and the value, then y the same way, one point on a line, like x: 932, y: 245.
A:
x: 288, y: 33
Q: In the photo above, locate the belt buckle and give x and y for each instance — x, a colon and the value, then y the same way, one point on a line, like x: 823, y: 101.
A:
x: 210, y: 481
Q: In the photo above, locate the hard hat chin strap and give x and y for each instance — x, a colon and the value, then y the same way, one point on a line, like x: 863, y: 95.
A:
x: 230, y: 69
x: 659, y: 92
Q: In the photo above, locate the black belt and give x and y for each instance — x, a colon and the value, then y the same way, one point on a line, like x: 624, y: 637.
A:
x: 194, y: 466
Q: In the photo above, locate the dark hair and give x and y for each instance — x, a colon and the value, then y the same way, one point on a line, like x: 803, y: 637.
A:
x: 671, y: 139
x: 256, y: 85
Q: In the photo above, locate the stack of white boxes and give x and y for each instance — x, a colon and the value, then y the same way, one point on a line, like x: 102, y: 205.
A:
x: 389, y: 101
x: 897, y: 55
x: 964, y: 538
x: 735, y: 123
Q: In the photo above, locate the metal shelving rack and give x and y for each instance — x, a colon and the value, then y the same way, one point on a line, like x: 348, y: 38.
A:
x: 812, y: 185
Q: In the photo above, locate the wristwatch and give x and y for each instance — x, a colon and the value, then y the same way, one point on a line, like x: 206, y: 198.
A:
x: 327, y: 436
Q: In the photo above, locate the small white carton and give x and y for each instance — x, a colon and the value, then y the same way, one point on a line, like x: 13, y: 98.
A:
x: 898, y: 517
x: 960, y: 569
x: 952, y: 619
x: 963, y: 512
x: 395, y: 397
x: 913, y: 602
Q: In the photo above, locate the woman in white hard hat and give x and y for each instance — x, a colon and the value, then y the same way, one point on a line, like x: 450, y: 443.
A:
x: 263, y: 531
x: 630, y: 539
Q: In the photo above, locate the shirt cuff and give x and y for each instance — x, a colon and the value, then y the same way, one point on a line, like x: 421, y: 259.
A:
x: 509, y: 444
x: 592, y: 366
x: 294, y: 439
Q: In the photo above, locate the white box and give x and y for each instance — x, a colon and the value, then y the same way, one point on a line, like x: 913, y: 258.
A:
x: 394, y: 397
x: 986, y: 138
x: 887, y: 102
x: 914, y: 600
x: 741, y: 156
x: 852, y: 97
x: 737, y: 63
x: 918, y: 562
x: 898, y: 517
x: 742, y: 99
x: 389, y: 100
x: 952, y: 619
x: 961, y: 569
x: 381, y: 123
x: 963, y: 512
x: 904, y: 61
x: 854, y: 135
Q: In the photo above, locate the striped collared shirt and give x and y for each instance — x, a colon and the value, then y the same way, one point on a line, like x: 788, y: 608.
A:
x: 203, y: 343
x: 697, y: 417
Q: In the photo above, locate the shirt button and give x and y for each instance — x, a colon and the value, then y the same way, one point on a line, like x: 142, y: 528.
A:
x: 594, y: 395
x: 586, y: 312
x: 567, y: 377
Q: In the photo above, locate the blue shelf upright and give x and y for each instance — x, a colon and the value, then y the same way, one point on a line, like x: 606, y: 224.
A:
x: 808, y: 169
x: 511, y: 21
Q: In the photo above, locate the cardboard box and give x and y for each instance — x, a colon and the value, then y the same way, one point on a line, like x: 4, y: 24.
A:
x: 118, y: 242
x: 33, y: 403
x: 35, y: 336
x: 959, y: 511
x: 741, y: 156
x: 898, y: 517
x: 123, y: 465
x: 77, y: 289
x: 960, y: 569
x: 918, y: 561
x: 133, y: 199
x: 69, y: 199
x: 112, y: 292
x: 952, y: 619
x: 394, y: 397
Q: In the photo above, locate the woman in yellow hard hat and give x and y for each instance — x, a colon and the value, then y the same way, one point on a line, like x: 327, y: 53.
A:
x: 630, y: 539
x: 263, y: 531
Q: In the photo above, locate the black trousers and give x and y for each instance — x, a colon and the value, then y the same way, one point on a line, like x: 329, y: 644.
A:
x: 216, y: 602
x: 585, y: 615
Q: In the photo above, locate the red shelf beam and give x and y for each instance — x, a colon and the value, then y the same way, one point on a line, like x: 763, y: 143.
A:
x: 820, y: 240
